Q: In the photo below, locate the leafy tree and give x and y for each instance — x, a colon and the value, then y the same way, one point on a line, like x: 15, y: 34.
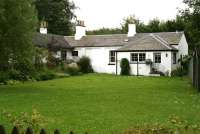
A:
x: 191, y: 16
x: 105, y: 31
x: 58, y: 14
x: 18, y: 23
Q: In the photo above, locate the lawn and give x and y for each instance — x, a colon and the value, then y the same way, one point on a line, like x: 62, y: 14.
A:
x: 103, y: 104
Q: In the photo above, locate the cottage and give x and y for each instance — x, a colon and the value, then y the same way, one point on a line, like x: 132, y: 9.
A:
x: 106, y: 51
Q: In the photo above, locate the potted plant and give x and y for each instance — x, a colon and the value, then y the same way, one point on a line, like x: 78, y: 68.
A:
x: 148, y: 62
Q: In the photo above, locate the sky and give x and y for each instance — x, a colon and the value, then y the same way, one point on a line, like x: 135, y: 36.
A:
x: 110, y: 13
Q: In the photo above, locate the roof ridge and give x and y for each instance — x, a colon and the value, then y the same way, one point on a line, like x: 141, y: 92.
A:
x: 159, y: 40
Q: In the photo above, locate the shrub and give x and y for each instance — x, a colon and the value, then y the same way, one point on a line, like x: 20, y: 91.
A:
x: 45, y: 75
x: 23, y: 70
x: 125, y: 67
x: 4, y: 76
x: 33, y: 120
x: 72, y: 69
x: 85, y: 65
x: 178, y: 72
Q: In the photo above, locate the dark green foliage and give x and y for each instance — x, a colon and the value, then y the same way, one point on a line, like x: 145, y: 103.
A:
x: 85, y: 65
x: 42, y: 131
x: 4, y: 76
x: 58, y: 14
x: 154, y: 25
x: 72, y: 71
x: 179, y: 72
x: 56, y: 131
x: 71, y: 132
x: 105, y: 31
x: 18, y: 23
x: 45, y: 75
x: 29, y: 131
x: 125, y: 67
x: 15, y: 130
x: 2, y: 130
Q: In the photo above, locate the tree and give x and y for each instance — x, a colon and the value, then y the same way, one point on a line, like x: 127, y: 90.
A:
x: 191, y: 16
x: 18, y: 23
x: 58, y: 14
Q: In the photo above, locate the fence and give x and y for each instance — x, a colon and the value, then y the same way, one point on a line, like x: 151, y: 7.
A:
x: 196, y: 69
x: 15, y: 130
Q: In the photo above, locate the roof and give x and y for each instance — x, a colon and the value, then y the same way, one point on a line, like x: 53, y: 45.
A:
x: 141, y: 41
x: 153, y: 41
x: 51, y: 41
x: 97, y: 40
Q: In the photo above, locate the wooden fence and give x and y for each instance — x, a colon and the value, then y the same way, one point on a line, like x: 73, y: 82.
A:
x: 15, y: 130
x: 196, y: 69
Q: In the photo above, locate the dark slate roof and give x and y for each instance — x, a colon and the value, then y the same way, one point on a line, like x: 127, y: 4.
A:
x: 153, y: 41
x: 141, y: 41
x: 98, y: 40
x: 51, y: 41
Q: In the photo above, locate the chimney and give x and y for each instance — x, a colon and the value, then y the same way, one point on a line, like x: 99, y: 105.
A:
x: 80, y: 30
x: 131, y: 30
x: 43, y: 27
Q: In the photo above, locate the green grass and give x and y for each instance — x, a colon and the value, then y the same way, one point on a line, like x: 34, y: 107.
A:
x: 103, y: 104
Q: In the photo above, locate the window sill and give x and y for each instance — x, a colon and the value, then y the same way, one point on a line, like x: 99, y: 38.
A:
x: 137, y: 63
x: 111, y: 64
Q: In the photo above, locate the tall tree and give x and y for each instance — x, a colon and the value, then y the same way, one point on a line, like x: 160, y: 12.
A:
x: 18, y: 23
x: 191, y: 16
x: 58, y: 14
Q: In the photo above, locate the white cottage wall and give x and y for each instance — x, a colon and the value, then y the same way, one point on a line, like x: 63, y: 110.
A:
x: 99, y: 57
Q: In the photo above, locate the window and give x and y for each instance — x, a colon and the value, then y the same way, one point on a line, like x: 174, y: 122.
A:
x: 112, y: 56
x: 75, y: 53
x: 134, y: 57
x: 174, y: 58
x: 64, y: 55
x: 138, y: 57
x: 142, y: 57
x: 157, y: 57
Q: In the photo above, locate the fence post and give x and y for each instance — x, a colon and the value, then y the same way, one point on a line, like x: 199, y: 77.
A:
x: 29, y: 131
x: 42, y: 131
x: 15, y: 130
x: 56, y: 131
x: 2, y: 130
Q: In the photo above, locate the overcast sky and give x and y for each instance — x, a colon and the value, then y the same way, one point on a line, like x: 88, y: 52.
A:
x: 110, y: 13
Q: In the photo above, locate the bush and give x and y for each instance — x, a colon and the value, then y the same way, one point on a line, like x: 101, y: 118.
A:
x: 125, y: 67
x: 179, y: 72
x: 45, y: 75
x: 23, y: 70
x: 72, y: 69
x: 4, y: 76
x: 85, y: 65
